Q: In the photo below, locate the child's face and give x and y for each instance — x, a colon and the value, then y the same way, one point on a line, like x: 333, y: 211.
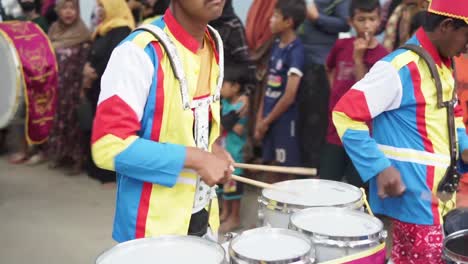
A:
x: 365, y: 22
x: 202, y: 10
x: 229, y: 89
x: 68, y: 13
x: 278, y: 23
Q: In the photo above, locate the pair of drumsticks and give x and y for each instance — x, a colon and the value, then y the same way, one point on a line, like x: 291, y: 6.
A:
x: 277, y: 169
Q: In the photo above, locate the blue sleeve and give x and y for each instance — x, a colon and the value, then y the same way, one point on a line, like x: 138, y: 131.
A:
x: 142, y: 159
x: 151, y: 161
x: 366, y: 156
x: 336, y: 23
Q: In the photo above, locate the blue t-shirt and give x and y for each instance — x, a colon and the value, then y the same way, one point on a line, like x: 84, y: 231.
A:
x: 283, y: 62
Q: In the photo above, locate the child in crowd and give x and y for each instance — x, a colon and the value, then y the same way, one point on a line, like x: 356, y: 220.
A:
x: 277, y: 115
x: 348, y: 62
x: 234, y: 137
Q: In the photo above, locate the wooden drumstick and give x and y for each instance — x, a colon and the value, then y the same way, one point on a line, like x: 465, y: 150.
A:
x: 260, y: 184
x: 279, y: 169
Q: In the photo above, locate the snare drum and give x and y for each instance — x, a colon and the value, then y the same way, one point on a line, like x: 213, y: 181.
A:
x: 165, y: 249
x: 276, y: 207
x: 340, y: 232
x: 456, y: 247
x: 271, y: 246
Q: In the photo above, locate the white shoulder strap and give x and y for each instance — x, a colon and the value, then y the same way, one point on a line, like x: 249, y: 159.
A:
x: 176, y: 63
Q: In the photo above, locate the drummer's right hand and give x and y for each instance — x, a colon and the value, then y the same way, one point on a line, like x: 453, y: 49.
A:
x: 211, y: 168
x: 389, y: 183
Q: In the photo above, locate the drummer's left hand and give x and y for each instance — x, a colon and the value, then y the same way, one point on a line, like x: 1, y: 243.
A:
x: 221, y: 153
x: 464, y: 156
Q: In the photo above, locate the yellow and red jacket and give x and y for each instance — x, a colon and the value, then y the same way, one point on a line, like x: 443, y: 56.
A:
x: 141, y: 131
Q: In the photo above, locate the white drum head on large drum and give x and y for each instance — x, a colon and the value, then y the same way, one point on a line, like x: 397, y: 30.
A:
x: 10, y: 82
x: 164, y: 249
x: 313, y: 193
x: 336, y: 222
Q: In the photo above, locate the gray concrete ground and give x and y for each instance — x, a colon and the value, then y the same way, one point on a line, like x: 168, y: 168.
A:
x: 49, y: 218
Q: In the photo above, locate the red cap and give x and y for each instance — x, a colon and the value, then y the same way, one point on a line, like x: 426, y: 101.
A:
x: 450, y: 8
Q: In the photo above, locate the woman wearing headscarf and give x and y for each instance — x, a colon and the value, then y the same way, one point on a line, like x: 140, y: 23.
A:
x: 116, y: 22
x: 70, y: 39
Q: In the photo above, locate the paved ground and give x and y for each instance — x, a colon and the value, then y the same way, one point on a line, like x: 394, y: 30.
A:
x: 49, y: 218
x: 46, y: 217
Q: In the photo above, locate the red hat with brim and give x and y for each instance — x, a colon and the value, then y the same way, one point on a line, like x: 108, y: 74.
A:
x: 450, y: 8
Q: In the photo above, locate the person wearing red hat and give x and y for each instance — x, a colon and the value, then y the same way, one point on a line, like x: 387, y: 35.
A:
x: 419, y: 143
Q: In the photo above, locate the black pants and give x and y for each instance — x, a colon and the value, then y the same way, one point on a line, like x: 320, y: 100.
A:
x: 93, y: 171
x: 198, y: 223
x: 313, y: 99
x: 3, y: 140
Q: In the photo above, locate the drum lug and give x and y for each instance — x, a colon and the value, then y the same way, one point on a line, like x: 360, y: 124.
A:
x: 383, y: 236
x: 260, y: 217
x: 262, y: 201
x: 229, y: 236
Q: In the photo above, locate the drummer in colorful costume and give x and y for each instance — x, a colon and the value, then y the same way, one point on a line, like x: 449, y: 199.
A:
x: 157, y: 131
x: 407, y: 158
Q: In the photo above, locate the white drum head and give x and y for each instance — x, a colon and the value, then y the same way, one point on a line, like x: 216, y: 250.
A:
x: 166, y: 249
x: 10, y: 84
x: 270, y: 244
x: 314, y: 193
x: 336, y: 222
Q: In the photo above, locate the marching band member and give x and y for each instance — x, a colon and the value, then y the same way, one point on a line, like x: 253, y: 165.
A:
x: 412, y: 154
x: 157, y: 132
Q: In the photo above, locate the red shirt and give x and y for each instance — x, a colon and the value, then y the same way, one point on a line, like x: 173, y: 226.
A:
x: 341, y: 61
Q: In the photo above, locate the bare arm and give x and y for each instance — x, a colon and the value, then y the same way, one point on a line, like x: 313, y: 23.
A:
x: 330, y: 74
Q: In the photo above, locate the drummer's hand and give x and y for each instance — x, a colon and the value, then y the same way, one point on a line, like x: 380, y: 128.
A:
x: 211, y: 168
x: 221, y: 153
x: 389, y: 183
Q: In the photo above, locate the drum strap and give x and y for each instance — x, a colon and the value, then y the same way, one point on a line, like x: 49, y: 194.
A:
x: 176, y: 63
x: 449, y: 183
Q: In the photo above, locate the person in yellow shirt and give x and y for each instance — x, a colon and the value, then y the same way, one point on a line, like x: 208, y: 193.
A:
x: 157, y: 131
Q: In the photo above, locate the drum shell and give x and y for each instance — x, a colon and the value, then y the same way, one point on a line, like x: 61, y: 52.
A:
x: 451, y: 256
x: 108, y: 256
x: 274, y: 213
x: 329, y: 247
